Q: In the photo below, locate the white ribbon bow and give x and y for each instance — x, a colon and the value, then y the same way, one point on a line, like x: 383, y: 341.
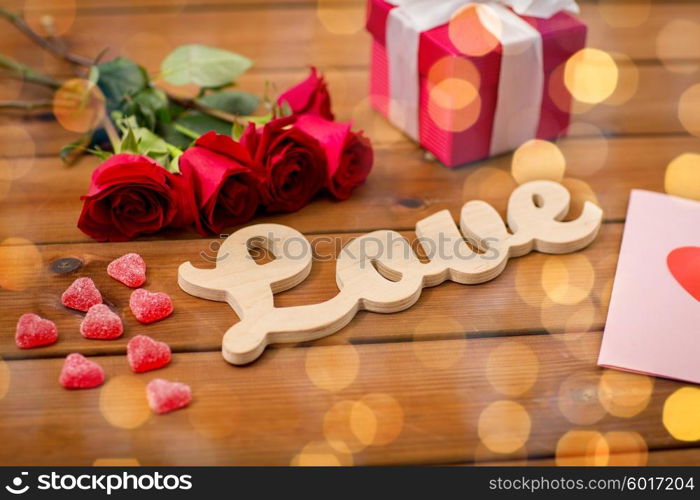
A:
x: 521, y: 80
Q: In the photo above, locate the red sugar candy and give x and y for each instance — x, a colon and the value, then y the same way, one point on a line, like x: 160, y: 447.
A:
x: 130, y: 269
x: 145, y: 354
x: 150, y: 306
x: 101, y: 323
x: 165, y: 396
x: 80, y: 373
x: 81, y: 295
x: 35, y: 331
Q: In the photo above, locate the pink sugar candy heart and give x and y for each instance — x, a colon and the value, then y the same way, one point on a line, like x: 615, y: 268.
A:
x: 34, y: 331
x: 130, y: 269
x: 101, y: 323
x: 82, y: 294
x: 145, y: 354
x: 165, y: 396
x: 80, y: 373
x: 150, y: 306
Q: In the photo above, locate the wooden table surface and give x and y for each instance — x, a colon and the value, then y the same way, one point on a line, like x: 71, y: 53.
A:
x: 503, y: 372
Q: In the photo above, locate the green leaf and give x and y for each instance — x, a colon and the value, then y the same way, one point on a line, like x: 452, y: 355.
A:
x: 203, y: 66
x: 150, y: 105
x: 237, y: 130
x: 120, y: 78
x: 201, y: 123
x: 259, y: 120
x: 235, y: 102
x: 94, y: 74
x: 129, y: 143
x: 170, y: 134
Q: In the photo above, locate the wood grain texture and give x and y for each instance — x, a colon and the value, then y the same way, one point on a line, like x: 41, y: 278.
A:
x: 255, y: 414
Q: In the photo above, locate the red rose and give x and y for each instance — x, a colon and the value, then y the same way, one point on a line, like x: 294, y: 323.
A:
x: 131, y: 195
x: 291, y: 164
x: 309, y: 97
x: 224, y: 185
x: 349, y: 155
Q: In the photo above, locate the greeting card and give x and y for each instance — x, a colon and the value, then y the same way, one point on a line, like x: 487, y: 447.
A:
x: 653, y: 323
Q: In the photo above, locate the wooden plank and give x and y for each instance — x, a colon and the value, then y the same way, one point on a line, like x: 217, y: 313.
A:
x: 43, y: 204
x: 681, y: 457
x: 305, y: 35
x: 428, y: 410
x: 571, y: 295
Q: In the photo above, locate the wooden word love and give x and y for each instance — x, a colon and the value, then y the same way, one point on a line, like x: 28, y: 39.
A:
x: 379, y: 271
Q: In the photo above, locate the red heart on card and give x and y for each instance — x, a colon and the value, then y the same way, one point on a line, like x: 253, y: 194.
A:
x: 684, y: 264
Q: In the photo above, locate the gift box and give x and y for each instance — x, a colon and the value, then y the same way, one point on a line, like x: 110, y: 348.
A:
x: 470, y: 80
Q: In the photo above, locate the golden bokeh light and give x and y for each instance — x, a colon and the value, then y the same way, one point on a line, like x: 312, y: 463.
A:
x: 321, y: 454
x: 681, y: 414
x: 512, y: 368
x: 591, y: 75
x: 123, y: 402
x: 434, y: 354
x: 216, y: 413
x: 4, y: 378
x: 624, y: 394
x: 468, y: 31
x: 340, y: 20
x: 78, y: 105
x: 504, y: 426
x: 578, y: 398
x: 581, y: 192
x: 17, y: 152
x: 626, y: 449
x: 567, y: 279
x: 624, y: 14
x: 453, y: 93
x: 491, y: 185
x: 50, y: 17
x: 338, y: 426
x: 683, y: 176
x: 678, y: 42
x: 538, y: 160
x: 332, y: 368
x: 574, y: 320
x: 582, y: 448
x: 454, y: 103
x: 22, y: 263
x: 116, y: 462
x: 527, y: 279
x: 385, y: 423
x: 627, y: 80
x: 688, y: 106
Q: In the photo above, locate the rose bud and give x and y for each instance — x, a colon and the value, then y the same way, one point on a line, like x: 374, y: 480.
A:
x: 309, y: 97
x: 224, y: 185
x: 131, y: 195
x: 349, y: 155
x: 291, y: 164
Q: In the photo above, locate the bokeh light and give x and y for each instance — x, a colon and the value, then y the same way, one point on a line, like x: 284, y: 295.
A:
x: 678, y: 42
x: 22, y: 263
x: 512, y: 368
x: 468, y: 31
x: 17, y: 151
x: 340, y: 19
x: 681, y: 414
x: 78, y: 105
x: 504, y: 426
x: 584, y: 157
x: 321, y: 454
x: 574, y: 320
x: 688, y: 106
x: 491, y: 185
x: 567, y: 279
x: 454, y: 103
x: 578, y: 398
x: 591, y: 75
x: 626, y: 449
x: 332, y: 368
x: 624, y: 394
x: 385, y: 423
x: 4, y: 378
x: 433, y: 354
x: 579, y: 448
x: 581, y: 192
x: 338, y: 426
x: 683, y: 176
x: 627, y: 81
x: 538, y: 160
x: 624, y: 14
x: 50, y: 17
x: 528, y: 282
x: 123, y: 402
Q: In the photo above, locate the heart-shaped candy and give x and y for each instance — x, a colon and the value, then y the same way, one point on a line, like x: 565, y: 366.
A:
x: 34, y: 331
x: 130, y: 269
x: 145, y: 354
x: 684, y: 264
x: 80, y: 373
x: 82, y: 294
x: 150, y: 306
x: 101, y: 323
x: 165, y: 396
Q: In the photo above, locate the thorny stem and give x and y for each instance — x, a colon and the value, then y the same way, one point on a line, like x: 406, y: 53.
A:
x: 27, y: 73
